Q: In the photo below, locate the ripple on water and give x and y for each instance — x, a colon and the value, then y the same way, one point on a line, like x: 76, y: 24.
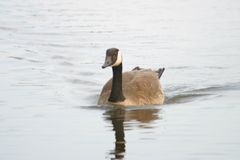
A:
x: 183, y: 98
x: 86, y: 73
x: 193, y: 94
x: 26, y: 59
x: 81, y: 81
x: 65, y: 63
x: 56, y: 57
x: 4, y: 28
x: 15, y: 57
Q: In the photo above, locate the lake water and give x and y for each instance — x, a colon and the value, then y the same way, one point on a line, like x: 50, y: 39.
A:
x: 51, y: 54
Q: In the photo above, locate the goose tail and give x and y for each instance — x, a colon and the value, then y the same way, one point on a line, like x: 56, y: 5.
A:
x: 160, y: 72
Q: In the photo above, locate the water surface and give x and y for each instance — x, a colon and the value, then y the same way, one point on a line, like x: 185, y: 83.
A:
x: 50, y: 67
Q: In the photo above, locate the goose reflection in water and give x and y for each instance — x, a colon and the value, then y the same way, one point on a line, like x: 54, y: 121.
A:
x: 118, y: 117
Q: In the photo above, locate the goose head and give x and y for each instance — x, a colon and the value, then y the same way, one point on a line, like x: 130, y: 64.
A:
x: 113, y: 58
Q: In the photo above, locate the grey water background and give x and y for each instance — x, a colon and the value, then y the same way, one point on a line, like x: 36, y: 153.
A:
x: 51, y: 54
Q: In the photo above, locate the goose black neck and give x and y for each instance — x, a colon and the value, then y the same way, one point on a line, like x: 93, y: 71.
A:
x: 117, y: 93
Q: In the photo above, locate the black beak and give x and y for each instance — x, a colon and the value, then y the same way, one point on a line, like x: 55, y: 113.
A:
x: 107, y: 63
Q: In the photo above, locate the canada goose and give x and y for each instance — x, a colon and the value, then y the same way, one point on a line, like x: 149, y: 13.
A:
x: 136, y: 87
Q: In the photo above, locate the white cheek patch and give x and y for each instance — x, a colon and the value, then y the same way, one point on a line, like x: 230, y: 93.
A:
x: 119, y: 60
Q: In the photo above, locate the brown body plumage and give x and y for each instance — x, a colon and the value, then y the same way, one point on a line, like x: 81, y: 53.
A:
x: 140, y: 87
